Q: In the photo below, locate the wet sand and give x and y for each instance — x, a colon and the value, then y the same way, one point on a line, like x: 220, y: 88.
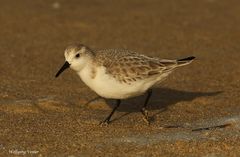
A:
x: 195, y: 112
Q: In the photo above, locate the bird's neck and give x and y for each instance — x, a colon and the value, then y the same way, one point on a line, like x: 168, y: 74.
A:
x: 88, y: 71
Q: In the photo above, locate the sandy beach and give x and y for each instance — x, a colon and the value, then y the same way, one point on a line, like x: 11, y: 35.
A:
x: 194, y: 112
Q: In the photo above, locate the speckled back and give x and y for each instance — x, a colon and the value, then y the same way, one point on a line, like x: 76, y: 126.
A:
x: 128, y: 66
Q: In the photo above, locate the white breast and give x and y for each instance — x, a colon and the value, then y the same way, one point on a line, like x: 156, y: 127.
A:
x: 107, y: 87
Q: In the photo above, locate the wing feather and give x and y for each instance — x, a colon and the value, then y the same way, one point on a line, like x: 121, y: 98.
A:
x: 127, y: 66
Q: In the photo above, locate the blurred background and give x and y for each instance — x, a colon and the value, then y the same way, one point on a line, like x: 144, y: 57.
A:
x: 36, y: 109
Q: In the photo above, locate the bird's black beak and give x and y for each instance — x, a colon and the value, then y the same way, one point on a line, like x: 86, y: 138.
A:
x: 65, y: 66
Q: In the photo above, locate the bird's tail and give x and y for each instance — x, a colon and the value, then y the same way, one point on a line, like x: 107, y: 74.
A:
x: 185, y: 61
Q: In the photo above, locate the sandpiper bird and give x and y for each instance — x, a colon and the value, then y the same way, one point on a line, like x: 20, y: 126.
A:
x: 119, y: 74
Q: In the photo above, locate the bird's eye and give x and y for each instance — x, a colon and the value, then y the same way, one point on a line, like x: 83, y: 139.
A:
x: 77, y: 55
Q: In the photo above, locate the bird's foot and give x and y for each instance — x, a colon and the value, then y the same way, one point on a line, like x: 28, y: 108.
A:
x: 147, y: 120
x: 145, y: 116
x: 104, y: 122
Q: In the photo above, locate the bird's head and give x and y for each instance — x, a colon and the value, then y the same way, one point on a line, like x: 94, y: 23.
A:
x: 76, y: 56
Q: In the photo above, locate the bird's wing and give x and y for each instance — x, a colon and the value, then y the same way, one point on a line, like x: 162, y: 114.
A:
x: 127, y: 66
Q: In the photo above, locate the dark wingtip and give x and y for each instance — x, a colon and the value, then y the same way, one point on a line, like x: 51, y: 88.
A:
x: 187, y: 59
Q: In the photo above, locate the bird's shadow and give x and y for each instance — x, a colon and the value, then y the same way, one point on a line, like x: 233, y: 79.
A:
x: 160, y: 100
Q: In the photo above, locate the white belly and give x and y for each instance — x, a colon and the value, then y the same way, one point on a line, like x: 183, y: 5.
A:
x: 107, y: 87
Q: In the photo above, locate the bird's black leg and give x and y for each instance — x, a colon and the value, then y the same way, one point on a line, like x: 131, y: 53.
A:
x: 144, y: 110
x: 107, y: 120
